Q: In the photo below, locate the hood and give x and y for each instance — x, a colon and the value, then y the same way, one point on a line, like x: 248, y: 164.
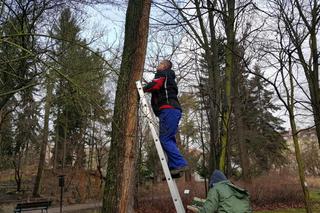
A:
x: 216, y: 177
x: 166, y: 73
x: 239, y: 192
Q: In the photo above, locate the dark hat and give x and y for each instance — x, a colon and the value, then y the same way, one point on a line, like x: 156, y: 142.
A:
x: 216, y: 177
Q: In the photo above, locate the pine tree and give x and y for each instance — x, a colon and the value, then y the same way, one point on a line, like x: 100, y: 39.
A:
x: 18, y: 53
x: 26, y: 133
x: 6, y: 140
x: 80, y: 78
x: 18, y: 81
x: 265, y: 143
x: 239, y: 93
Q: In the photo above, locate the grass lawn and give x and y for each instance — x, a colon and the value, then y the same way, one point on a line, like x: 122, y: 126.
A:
x: 315, y: 197
x: 285, y: 211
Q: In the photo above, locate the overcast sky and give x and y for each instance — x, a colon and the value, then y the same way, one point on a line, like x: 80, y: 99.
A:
x: 106, y: 24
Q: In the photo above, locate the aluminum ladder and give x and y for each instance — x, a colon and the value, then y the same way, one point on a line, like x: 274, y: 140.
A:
x: 171, y: 183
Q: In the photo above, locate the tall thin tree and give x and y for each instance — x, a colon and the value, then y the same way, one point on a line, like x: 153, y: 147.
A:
x: 45, y: 135
x: 120, y: 180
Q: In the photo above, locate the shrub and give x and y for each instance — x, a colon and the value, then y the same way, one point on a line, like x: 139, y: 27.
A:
x: 274, y: 191
x: 266, y: 192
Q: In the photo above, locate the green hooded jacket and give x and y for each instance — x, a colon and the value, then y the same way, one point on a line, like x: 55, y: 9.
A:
x: 228, y: 198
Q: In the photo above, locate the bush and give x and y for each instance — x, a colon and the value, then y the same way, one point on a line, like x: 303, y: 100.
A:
x: 266, y: 192
x: 314, y: 182
x: 156, y: 197
x: 274, y: 191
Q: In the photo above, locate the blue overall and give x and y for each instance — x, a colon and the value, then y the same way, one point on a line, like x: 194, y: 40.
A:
x: 169, y: 120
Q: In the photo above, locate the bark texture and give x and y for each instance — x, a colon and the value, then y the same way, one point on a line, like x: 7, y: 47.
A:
x: 120, y: 180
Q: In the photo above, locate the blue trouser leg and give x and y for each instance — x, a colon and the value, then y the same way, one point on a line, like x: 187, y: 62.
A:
x: 169, y: 120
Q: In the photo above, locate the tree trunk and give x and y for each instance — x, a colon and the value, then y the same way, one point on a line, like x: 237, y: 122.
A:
x: 240, y: 127
x: 187, y: 174
x: 120, y: 180
x: 55, y: 157
x: 315, y: 79
x: 1, y: 116
x: 214, y: 102
x: 290, y: 108
x: 240, y: 139
x: 229, y: 19
x: 80, y: 153
x: 18, y: 172
x: 44, y: 143
x: 311, y: 70
x: 313, y: 83
x: 64, y: 142
x: 203, y: 151
x: 208, y: 43
x: 210, y: 47
x: 300, y: 164
x: 92, y: 141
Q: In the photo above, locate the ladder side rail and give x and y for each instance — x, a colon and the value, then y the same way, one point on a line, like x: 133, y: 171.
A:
x: 171, y: 183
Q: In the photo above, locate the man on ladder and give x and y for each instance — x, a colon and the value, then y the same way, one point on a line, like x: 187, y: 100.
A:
x: 165, y: 104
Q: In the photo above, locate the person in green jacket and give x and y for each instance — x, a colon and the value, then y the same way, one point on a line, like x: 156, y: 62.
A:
x: 225, y: 197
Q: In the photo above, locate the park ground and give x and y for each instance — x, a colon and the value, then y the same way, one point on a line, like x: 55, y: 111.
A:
x: 277, y: 193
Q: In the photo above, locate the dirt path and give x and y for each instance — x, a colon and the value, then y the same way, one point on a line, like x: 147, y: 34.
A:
x: 71, y: 208
x: 75, y: 208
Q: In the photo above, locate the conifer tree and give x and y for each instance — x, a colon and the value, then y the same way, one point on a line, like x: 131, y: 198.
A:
x: 18, y: 79
x: 265, y: 143
x: 80, y: 78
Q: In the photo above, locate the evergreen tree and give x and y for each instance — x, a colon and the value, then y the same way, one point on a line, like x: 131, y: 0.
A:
x: 265, y: 143
x: 210, y: 94
x: 239, y: 101
x: 18, y: 50
x: 80, y: 78
x: 26, y: 133
x: 6, y: 141
x: 18, y: 79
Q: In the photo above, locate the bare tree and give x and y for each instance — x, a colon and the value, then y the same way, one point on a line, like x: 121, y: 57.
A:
x: 213, y: 27
x: 281, y: 52
x: 301, y: 21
